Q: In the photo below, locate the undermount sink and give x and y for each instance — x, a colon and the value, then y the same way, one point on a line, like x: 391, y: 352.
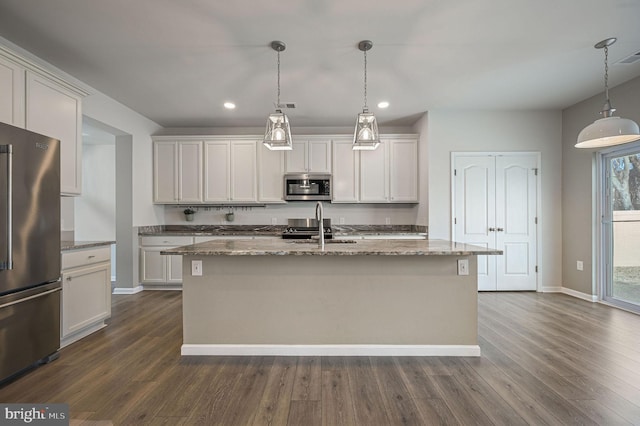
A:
x: 315, y: 241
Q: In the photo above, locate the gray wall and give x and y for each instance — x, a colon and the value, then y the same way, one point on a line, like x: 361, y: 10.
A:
x: 579, y: 219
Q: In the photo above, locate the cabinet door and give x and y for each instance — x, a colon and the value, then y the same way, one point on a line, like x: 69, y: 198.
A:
x: 216, y: 171
x: 374, y: 175
x: 12, y: 91
x: 153, y: 266
x: 243, y: 171
x: 319, y: 156
x: 165, y: 172
x: 270, y: 174
x: 55, y: 111
x: 174, y: 269
x: 297, y: 158
x: 190, y: 172
x: 86, y: 297
x: 403, y: 171
x: 346, y: 179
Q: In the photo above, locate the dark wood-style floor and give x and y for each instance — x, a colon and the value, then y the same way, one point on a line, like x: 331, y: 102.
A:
x: 546, y: 359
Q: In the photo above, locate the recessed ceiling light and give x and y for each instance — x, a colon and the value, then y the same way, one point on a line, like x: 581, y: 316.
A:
x: 383, y: 104
x: 229, y: 105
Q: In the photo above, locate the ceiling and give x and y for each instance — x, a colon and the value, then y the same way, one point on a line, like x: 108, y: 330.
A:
x: 176, y: 62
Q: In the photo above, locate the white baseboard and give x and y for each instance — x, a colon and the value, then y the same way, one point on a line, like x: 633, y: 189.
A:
x: 81, y: 334
x: 127, y: 290
x: 175, y: 287
x: 331, y: 350
x: 572, y: 293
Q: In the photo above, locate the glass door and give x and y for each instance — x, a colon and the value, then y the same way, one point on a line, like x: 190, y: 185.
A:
x: 621, y: 227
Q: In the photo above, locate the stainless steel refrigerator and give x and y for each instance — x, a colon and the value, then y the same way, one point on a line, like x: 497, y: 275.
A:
x: 29, y: 249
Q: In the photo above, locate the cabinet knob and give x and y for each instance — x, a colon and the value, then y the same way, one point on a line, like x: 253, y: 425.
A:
x: 69, y: 278
x: 492, y: 229
x: 499, y: 229
x: 90, y: 257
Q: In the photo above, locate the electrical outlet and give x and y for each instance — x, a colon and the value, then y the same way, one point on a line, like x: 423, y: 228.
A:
x: 274, y: 220
x: 387, y: 220
x: 463, y: 266
x: 579, y: 265
x: 196, y: 268
x: 342, y: 221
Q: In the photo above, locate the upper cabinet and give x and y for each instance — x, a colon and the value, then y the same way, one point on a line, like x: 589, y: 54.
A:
x: 11, y: 92
x: 55, y: 111
x: 388, y: 174
x: 270, y: 174
x: 230, y: 171
x: 177, y: 172
x: 34, y: 99
x: 309, y: 156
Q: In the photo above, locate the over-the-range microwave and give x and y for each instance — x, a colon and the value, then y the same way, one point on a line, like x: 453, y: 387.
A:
x: 307, y: 186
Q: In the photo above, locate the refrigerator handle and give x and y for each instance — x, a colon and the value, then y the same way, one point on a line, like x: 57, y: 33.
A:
x: 8, y: 262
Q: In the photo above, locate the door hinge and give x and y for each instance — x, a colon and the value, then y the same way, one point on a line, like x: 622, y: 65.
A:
x: 536, y: 220
x: 455, y: 220
x: 455, y: 172
x: 536, y: 269
x: 535, y: 171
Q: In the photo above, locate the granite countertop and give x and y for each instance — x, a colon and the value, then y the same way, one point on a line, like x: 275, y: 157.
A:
x: 277, y: 247
x: 274, y: 230
x: 75, y: 245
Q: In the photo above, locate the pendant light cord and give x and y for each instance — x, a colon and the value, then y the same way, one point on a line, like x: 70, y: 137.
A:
x: 606, y: 73
x: 278, y: 104
x: 365, y: 80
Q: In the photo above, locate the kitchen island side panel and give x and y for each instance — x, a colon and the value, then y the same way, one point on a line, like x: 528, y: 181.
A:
x: 330, y: 300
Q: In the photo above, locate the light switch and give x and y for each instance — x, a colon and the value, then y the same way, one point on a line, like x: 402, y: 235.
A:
x: 579, y: 265
x: 463, y: 266
x: 196, y: 268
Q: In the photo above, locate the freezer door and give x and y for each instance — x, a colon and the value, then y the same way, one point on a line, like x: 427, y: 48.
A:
x: 29, y: 328
x: 34, y: 228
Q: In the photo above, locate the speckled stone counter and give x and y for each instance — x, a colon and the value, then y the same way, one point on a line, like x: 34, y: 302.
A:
x: 274, y: 230
x: 369, y: 298
x: 76, y: 245
x: 278, y: 247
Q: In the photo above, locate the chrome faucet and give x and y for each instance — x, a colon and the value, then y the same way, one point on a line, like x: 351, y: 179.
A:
x: 320, y: 219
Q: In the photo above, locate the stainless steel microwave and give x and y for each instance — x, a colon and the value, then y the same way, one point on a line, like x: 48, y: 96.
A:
x: 307, y: 186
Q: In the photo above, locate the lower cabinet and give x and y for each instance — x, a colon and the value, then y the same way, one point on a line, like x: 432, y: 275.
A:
x: 86, y: 292
x: 159, y: 271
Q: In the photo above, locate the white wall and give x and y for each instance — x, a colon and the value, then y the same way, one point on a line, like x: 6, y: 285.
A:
x: 456, y: 131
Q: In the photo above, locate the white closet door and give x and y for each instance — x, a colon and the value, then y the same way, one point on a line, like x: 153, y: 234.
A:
x: 475, y: 212
x: 516, y: 198
x: 495, y: 205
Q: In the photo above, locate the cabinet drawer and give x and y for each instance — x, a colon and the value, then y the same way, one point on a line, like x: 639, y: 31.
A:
x: 75, y: 258
x: 166, y: 241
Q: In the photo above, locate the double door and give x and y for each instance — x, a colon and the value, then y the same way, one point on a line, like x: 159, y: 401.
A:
x: 495, y: 205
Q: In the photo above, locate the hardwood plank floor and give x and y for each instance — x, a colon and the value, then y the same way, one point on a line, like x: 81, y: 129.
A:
x: 546, y: 359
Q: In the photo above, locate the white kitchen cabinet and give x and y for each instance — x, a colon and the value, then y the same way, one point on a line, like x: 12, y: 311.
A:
x: 389, y: 174
x: 374, y: 175
x: 160, y: 271
x: 403, y: 171
x: 177, y: 172
x: 230, y: 171
x: 55, y: 111
x: 86, y: 292
x: 271, y: 167
x: 345, y: 172
x: 12, y: 88
x: 309, y: 156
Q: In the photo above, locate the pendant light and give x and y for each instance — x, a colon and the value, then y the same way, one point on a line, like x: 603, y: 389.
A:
x: 365, y: 136
x: 609, y: 130
x: 277, y: 135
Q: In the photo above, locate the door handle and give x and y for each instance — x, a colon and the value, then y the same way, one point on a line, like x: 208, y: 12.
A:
x: 492, y: 229
x: 7, y: 263
x: 500, y: 229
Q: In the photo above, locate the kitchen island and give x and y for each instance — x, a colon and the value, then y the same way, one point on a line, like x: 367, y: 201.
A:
x: 370, y: 297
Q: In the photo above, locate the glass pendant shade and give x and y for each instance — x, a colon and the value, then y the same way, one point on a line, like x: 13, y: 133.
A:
x: 608, y: 131
x: 277, y: 135
x: 365, y: 136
